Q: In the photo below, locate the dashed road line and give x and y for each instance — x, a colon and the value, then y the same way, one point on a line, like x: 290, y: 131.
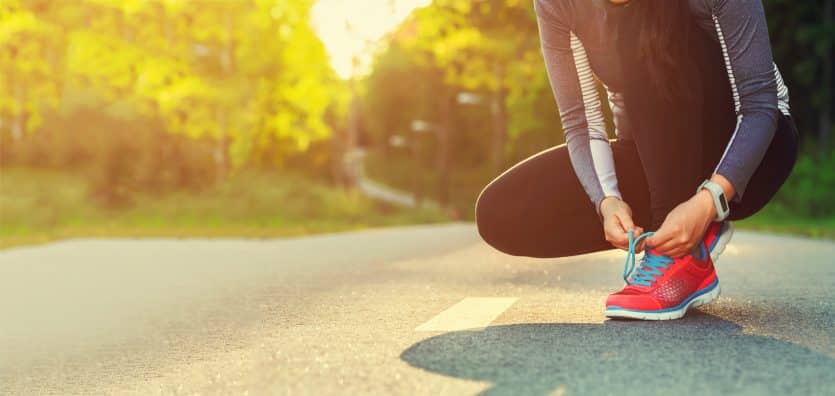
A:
x: 469, y: 314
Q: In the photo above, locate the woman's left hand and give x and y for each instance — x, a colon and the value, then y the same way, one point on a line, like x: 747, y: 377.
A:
x: 684, y: 226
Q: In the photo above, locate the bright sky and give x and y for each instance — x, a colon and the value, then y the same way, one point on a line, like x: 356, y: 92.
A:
x: 369, y: 20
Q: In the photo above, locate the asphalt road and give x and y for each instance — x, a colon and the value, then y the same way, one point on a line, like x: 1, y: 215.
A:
x: 424, y: 310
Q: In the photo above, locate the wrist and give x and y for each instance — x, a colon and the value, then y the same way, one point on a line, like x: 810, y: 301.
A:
x: 606, y: 203
x: 726, y: 185
x: 705, y: 201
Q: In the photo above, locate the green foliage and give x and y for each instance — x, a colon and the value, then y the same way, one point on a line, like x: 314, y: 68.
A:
x: 810, y: 190
x: 119, y: 157
x: 171, y: 97
x: 244, y: 74
x: 28, y: 61
x: 41, y: 205
x: 803, y: 41
x: 488, y: 46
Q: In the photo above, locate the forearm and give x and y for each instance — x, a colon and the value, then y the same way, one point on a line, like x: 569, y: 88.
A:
x: 746, y: 149
x: 575, y: 91
x: 743, y: 35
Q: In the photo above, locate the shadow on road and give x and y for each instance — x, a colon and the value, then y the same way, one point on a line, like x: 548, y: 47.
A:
x: 700, y: 354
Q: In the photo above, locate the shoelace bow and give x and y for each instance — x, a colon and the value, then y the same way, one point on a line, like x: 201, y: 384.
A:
x: 651, y: 264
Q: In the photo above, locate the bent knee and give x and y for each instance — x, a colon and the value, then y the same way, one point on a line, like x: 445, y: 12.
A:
x: 493, y: 221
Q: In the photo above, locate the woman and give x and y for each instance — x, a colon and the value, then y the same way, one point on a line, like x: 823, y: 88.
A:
x: 704, y: 136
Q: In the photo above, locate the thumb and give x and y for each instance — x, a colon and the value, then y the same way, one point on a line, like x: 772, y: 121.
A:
x: 626, y: 222
x: 652, y: 239
x: 659, y: 237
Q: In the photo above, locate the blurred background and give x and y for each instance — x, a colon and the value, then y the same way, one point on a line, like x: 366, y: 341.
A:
x: 261, y: 118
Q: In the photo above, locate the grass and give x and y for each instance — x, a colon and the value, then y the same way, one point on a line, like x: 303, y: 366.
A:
x: 770, y: 220
x: 38, y: 206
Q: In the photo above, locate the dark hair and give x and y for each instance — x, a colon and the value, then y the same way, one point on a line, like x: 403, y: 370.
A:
x: 663, y: 34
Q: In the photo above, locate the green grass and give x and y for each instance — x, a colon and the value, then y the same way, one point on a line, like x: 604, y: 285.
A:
x: 769, y: 221
x: 38, y: 206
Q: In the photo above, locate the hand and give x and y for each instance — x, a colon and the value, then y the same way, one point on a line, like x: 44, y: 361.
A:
x: 617, y: 222
x: 684, y: 226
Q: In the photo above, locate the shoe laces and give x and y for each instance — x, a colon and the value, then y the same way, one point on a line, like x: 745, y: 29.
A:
x: 651, y: 264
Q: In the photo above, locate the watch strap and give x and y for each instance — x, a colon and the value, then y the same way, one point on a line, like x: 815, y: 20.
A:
x: 719, y: 201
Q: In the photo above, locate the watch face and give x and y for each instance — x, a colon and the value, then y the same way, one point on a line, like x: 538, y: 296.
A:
x: 723, y: 202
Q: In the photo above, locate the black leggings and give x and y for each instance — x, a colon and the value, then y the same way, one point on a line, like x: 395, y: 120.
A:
x: 539, y: 209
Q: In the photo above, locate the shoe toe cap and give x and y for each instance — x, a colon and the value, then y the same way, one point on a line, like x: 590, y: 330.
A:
x: 632, y: 301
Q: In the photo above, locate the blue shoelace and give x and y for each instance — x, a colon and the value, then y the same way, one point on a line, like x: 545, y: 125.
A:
x: 651, y: 264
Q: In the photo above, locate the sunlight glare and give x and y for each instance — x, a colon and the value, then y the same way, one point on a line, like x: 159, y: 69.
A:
x: 347, y: 27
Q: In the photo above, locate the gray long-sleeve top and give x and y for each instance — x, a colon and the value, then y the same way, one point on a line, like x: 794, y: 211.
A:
x: 578, y: 44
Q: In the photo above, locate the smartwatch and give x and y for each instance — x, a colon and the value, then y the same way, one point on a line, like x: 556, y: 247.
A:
x: 719, y: 201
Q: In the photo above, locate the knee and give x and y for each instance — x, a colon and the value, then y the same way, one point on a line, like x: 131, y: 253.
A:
x: 490, y: 219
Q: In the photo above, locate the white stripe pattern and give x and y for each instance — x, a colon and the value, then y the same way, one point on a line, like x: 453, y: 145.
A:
x: 591, y: 102
x: 782, y: 92
x: 734, y: 89
x: 471, y: 313
x: 728, y: 66
x: 601, y: 152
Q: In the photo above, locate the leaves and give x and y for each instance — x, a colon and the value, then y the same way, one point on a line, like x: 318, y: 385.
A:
x: 232, y: 71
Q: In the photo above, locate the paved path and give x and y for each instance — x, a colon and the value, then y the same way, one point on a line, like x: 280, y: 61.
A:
x: 424, y: 310
x: 387, y: 194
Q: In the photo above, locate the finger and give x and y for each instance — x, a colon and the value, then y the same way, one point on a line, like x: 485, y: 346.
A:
x: 618, y: 240
x: 639, y: 231
x: 615, y: 231
x: 662, y: 236
x: 672, y: 247
x: 643, y: 243
x: 677, y: 252
x: 626, y: 223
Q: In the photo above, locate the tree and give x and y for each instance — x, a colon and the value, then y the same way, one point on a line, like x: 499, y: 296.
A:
x: 483, y: 46
x: 803, y: 38
x: 29, y: 56
x: 204, y: 68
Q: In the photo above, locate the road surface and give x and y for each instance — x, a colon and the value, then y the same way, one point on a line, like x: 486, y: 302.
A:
x: 414, y: 311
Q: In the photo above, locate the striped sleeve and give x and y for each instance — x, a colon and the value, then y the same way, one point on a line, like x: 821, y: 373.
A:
x: 573, y: 85
x: 758, y: 91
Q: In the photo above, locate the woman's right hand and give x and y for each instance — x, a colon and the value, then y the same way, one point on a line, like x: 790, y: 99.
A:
x: 617, y: 222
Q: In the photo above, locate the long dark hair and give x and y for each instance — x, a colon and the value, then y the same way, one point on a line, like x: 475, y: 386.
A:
x: 664, y: 29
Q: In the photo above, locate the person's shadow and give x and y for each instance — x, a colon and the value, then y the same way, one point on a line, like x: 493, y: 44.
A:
x: 700, y: 354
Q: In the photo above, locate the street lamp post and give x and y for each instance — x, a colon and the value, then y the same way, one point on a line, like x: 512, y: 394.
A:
x: 442, y: 132
x: 419, y: 127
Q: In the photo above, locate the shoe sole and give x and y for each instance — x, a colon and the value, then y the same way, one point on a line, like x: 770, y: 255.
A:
x: 724, y: 237
x: 703, y: 297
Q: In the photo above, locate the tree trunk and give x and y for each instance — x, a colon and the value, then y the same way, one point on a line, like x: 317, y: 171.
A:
x: 443, y: 157
x: 227, y: 60
x: 19, y: 124
x: 417, y: 176
x: 222, y: 148
x: 825, y: 116
x: 227, y: 68
x: 498, y: 110
x: 352, y: 137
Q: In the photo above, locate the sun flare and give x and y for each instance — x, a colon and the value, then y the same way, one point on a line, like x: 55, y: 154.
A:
x: 349, y: 28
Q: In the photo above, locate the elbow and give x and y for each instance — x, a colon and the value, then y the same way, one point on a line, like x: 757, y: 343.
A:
x: 767, y: 111
x: 760, y: 103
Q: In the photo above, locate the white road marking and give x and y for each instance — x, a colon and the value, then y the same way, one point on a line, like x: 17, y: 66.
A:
x: 470, y: 313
